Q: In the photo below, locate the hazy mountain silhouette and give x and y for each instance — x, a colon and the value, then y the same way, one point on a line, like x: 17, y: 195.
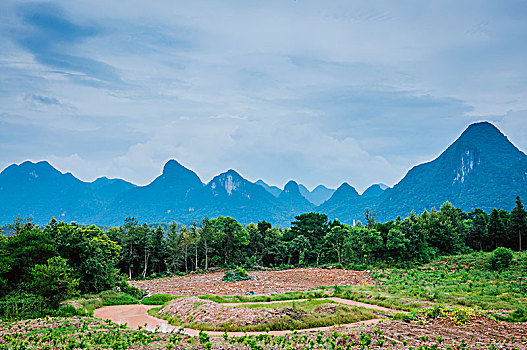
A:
x: 481, y: 169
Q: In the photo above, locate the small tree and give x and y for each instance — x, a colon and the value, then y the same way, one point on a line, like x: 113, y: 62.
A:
x: 501, y: 258
x: 518, y: 221
x: 54, y: 281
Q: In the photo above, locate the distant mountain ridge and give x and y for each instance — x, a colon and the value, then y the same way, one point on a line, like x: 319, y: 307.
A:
x: 482, y: 169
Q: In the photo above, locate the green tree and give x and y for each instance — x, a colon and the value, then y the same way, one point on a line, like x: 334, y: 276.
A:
x: 158, y: 250
x: 54, y: 281
x: 229, y: 238
x: 90, y: 252
x: 372, y: 244
x: 275, y: 251
x: 4, y: 266
x: 336, y: 240
x: 173, y: 254
x: 477, y: 236
x: 397, y: 244
x: 128, y: 239
x: 28, y: 246
x: 314, y: 227
x: 297, y: 249
x: 195, y: 239
x: 413, y: 230
x: 370, y: 218
x: 445, y: 230
x: 518, y: 221
x: 207, y: 232
x: 255, y: 247
x: 496, y: 228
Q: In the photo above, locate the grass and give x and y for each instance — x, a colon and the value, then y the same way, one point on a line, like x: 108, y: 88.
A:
x: 159, y: 299
x: 462, y: 280
x: 295, y: 315
x: 107, y: 298
x: 264, y: 298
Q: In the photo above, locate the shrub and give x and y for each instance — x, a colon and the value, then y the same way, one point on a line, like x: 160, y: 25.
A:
x: 22, y: 305
x: 124, y: 287
x: 111, y: 297
x: 501, y: 258
x: 157, y: 299
x: 236, y: 275
x: 54, y: 281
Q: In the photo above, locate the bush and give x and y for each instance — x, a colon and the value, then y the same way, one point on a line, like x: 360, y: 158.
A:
x: 26, y: 305
x: 501, y: 258
x: 111, y: 297
x: 236, y: 275
x: 124, y: 287
x: 157, y: 299
x: 54, y: 281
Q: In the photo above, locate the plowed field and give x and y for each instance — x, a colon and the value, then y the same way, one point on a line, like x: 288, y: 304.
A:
x: 261, y: 283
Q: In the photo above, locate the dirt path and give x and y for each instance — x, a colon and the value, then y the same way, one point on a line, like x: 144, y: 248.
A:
x: 261, y: 283
x: 134, y: 316
x: 137, y: 315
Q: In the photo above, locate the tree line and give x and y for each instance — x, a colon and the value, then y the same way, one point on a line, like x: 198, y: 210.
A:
x: 63, y: 259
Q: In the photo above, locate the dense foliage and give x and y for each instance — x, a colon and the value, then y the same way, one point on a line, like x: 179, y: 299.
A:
x: 61, y: 260
x: 45, y: 265
x: 312, y: 239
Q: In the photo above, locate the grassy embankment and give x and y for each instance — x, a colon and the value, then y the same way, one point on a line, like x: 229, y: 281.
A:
x: 91, y: 302
x: 291, y: 315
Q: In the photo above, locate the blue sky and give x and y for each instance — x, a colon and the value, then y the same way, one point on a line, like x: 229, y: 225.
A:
x: 319, y: 92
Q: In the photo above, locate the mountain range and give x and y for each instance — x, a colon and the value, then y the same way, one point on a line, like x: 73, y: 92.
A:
x: 481, y: 169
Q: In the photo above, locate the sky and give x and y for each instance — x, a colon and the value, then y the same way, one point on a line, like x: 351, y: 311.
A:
x: 322, y: 92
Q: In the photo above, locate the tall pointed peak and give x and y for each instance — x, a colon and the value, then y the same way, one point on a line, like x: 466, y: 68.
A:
x: 374, y: 190
x: 291, y: 187
x: 172, y: 166
x: 231, y: 173
x: 482, y: 142
x: 482, y: 132
x: 346, y: 187
x: 178, y: 175
x: 345, y: 190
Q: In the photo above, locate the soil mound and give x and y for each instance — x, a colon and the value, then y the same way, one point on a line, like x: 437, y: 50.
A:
x: 195, y: 310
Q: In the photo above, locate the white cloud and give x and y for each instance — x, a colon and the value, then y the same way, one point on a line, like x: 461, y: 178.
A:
x: 319, y: 92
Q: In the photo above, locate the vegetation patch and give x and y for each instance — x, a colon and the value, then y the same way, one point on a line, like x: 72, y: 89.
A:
x: 264, y: 298
x: 462, y: 280
x: 91, y: 302
x: 454, y: 315
x: 158, y: 299
x: 236, y: 275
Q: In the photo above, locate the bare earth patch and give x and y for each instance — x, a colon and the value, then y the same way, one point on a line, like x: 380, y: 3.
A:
x: 197, y: 310
x: 261, y: 283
